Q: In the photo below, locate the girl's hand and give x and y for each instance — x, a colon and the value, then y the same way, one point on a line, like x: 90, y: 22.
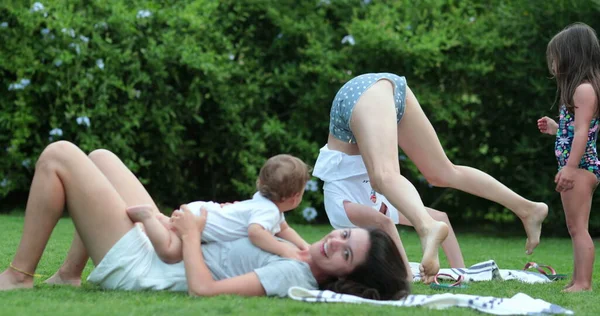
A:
x: 186, y: 223
x: 547, y: 125
x: 565, y: 179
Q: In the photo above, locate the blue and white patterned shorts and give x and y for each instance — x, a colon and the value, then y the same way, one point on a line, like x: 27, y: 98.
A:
x: 348, y: 95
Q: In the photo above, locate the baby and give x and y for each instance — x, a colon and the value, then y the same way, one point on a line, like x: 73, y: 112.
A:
x: 280, y: 187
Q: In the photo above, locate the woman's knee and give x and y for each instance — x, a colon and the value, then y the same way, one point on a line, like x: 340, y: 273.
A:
x: 384, y: 178
x: 576, y: 229
x: 100, y: 155
x: 55, y: 154
x: 441, y: 177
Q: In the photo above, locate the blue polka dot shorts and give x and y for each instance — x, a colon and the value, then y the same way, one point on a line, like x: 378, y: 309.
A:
x: 348, y: 95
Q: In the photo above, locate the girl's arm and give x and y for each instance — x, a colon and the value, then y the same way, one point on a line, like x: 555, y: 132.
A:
x: 585, y: 109
x: 200, y: 281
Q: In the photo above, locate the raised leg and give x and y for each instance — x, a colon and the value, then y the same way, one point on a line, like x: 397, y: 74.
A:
x: 419, y: 141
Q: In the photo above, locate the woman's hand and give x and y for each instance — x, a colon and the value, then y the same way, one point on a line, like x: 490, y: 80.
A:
x: 565, y: 179
x: 186, y: 223
x: 547, y: 125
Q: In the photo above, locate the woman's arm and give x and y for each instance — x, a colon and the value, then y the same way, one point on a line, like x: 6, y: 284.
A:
x: 199, y: 279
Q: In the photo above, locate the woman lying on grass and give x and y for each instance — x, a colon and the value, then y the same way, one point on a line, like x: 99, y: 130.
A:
x: 98, y: 188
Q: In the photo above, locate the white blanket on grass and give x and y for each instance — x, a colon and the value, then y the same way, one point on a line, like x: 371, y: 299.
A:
x: 486, y: 271
x: 520, y: 304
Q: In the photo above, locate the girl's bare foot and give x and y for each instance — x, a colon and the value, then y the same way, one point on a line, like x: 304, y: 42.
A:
x: 577, y: 288
x: 430, y: 242
x: 533, y: 226
x: 12, y: 280
x: 140, y: 213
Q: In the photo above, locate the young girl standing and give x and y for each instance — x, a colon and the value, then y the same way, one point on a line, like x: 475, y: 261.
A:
x: 573, y: 57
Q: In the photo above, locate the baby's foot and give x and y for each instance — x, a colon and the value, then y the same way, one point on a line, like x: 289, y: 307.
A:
x: 434, y: 237
x: 58, y: 279
x: 139, y: 213
x: 533, y: 226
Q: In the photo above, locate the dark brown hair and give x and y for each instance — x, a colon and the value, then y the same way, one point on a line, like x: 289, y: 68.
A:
x: 573, y: 57
x: 381, y: 277
x: 282, y: 176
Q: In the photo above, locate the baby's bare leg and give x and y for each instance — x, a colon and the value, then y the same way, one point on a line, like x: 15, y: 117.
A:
x: 166, y: 243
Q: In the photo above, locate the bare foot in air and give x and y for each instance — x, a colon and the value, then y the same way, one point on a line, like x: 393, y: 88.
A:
x: 533, y: 226
x: 12, y: 280
x: 140, y: 213
x: 59, y: 279
x: 430, y: 242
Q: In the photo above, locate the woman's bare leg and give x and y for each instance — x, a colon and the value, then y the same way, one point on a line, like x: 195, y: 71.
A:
x: 450, y: 245
x: 373, y: 124
x: 364, y: 216
x: 419, y: 141
x: 66, y: 177
x: 131, y: 191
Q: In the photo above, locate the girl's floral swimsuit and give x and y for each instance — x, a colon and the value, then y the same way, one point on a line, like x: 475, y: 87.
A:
x: 564, y: 141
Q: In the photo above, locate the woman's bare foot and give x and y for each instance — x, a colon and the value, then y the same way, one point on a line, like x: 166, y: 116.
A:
x: 577, y: 288
x: 533, y: 226
x: 568, y: 285
x: 12, y: 280
x: 140, y: 213
x: 60, y: 279
x: 430, y: 242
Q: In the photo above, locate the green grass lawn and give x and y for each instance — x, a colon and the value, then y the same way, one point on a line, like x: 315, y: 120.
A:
x: 89, y: 300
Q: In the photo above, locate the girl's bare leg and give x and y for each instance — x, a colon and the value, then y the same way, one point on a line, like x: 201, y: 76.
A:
x: 419, y: 141
x: 577, y: 204
x: 66, y: 177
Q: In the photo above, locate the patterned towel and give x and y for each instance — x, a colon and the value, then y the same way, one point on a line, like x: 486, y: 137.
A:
x: 520, y: 304
x: 486, y: 271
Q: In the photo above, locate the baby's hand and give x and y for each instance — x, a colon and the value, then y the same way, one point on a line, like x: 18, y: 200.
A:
x: 292, y: 254
x: 547, y: 125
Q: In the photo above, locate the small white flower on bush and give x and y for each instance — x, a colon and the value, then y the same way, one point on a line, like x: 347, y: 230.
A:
x: 101, y: 25
x: 309, y: 213
x: 4, y: 182
x: 311, y: 186
x: 70, y: 32
x: 19, y: 85
x: 144, y: 14
x: 4, y: 25
x: 138, y: 93
x: 84, y: 39
x: 472, y: 19
x: 36, y: 7
x: 366, y: 1
x: 25, y: 163
x: 56, y: 132
x: 231, y: 56
x: 76, y: 46
x: 100, y: 63
x: 348, y: 39
x: 45, y: 31
x: 280, y: 35
x: 325, y: 2
x: 57, y: 63
x: 83, y: 120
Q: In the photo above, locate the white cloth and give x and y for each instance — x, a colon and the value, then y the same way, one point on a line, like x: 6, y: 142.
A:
x: 486, y: 271
x: 345, y: 179
x: 232, y: 221
x: 519, y: 304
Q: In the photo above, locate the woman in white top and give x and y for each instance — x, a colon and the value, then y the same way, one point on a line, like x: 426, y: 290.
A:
x: 347, y: 184
x: 372, y: 115
x: 97, y: 190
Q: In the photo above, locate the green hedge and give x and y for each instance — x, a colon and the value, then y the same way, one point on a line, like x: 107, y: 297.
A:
x: 195, y: 95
